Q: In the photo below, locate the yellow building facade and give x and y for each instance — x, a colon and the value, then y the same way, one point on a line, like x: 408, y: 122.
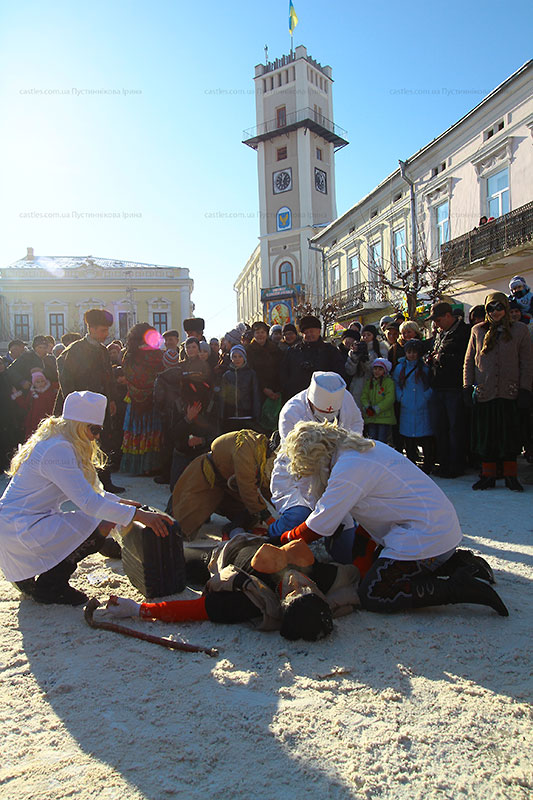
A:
x: 49, y: 295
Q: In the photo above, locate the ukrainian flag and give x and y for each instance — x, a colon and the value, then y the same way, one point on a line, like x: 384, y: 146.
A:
x: 293, y: 19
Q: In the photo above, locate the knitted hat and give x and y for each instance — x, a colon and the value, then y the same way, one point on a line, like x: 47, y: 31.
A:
x: 239, y: 349
x: 383, y: 362
x: 260, y: 325
x: 204, y: 347
x: 309, y: 322
x: 413, y: 344
x: 370, y: 329
x: 326, y: 391
x: 275, y: 329
x: 86, y: 407
x: 289, y: 327
x: 350, y: 333
x: 234, y: 336
x: 517, y: 283
x: 384, y: 321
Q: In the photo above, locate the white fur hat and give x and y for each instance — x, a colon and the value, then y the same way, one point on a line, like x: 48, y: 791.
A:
x: 86, y: 407
x: 326, y: 391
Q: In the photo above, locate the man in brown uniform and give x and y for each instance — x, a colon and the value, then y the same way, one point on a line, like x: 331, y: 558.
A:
x: 228, y: 479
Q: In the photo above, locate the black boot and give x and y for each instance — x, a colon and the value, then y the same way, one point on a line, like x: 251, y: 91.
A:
x: 27, y: 586
x: 53, y: 585
x: 461, y: 587
x: 484, y: 483
x: 512, y: 483
x: 479, y: 568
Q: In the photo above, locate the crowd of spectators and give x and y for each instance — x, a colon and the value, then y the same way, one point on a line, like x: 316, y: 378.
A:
x: 455, y: 396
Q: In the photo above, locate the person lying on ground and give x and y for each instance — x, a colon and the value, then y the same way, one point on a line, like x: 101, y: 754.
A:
x: 41, y: 545
x: 281, y: 588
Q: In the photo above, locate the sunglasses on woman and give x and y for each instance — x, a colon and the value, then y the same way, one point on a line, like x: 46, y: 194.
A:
x: 96, y: 430
x: 495, y: 307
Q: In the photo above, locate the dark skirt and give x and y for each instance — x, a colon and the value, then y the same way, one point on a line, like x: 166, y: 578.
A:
x: 496, y: 433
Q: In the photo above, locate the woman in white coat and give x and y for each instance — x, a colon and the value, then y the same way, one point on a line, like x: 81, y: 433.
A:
x: 402, y: 509
x: 41, y: 545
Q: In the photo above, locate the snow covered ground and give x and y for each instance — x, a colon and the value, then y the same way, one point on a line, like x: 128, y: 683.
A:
x: 432, y: 704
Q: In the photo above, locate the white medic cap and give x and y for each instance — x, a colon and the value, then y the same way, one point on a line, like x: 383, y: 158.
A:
x: 326, y: 391
x: 86, y: 407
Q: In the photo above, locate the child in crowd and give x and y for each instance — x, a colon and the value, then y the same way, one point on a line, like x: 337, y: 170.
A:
x: 240, y: 401
x: 413, y: 394
x: 377, y: 400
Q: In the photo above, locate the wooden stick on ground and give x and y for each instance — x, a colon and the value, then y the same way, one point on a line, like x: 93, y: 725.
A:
x: 145, y: 637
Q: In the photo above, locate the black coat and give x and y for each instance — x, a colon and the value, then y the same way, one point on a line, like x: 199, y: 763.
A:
x: 265, y: 361
x: 448, y: 355
x: 85, y: 366
x: 19, y: 370
x: 239, y: 394
x: 300, y: 361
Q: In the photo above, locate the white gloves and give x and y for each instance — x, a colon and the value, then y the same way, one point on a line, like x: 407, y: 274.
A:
x: 122, y: 607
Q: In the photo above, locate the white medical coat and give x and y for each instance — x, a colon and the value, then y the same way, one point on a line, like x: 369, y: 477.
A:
x: 35, y: 534
x: 286, y: 490
x: 398, y: 504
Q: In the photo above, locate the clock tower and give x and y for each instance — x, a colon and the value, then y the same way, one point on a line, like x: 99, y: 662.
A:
x: 295, y: 139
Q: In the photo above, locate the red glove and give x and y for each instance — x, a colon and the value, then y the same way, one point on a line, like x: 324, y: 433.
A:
x: 300, y: 532
x: 370, y: 412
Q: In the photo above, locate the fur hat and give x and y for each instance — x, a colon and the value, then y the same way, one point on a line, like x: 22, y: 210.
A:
x: 309, y: 322
x: 98, y: 316
x: 193, y: 324
x: 86, y: 407
x: 382, y: 362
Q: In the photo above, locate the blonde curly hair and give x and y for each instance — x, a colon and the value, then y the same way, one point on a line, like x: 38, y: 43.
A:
x: 310, y: 446
x: 88, y: 453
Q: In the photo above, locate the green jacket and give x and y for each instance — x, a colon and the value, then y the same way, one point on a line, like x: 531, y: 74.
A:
x: 379, y: 395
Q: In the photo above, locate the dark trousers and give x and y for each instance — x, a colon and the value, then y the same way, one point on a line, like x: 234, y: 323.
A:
x: 58, y: 576
x: 449, y: 426
x: 427, y: 443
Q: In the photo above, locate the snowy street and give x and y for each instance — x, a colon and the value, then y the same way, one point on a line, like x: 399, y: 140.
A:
x: 432, y: 704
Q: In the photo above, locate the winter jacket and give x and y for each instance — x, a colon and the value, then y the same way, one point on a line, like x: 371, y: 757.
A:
x: 301, y: 360
x: 265, y: 360
x: 379, y: 395
x: 239, y: 394
x: 414, y: 398
x: 19, y: 371
x: 502, y: 371
x: 448, y: 355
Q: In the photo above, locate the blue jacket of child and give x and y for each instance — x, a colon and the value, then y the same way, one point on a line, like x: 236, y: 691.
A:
x: 414, y: 395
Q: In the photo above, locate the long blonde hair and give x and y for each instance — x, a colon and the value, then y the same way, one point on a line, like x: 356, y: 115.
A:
x: 88, y: 453
x: 310, y: 447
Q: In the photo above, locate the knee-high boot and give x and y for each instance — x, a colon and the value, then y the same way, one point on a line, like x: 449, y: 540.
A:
x: 430, y: 590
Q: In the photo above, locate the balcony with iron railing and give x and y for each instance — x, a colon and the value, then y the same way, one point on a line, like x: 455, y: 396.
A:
x: 365, y: 296
x: 502, y: 238
x: 303, y: 118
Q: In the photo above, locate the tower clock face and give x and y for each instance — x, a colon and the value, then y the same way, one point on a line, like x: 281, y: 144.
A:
x: 282, y: 180
x: 321, y: 183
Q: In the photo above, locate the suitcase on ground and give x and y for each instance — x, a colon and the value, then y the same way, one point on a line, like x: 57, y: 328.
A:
x: 154, y: 565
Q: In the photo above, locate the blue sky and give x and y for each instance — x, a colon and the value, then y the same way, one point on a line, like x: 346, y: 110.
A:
x: 167, y: 147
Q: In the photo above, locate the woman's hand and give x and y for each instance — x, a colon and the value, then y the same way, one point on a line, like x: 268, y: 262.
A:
x: 193, y: 411
x: 270, y: 394
x: 155, y: 520
x: 130, y: 503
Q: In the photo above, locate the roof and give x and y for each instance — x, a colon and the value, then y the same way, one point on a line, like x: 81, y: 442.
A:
x: 73, y: 262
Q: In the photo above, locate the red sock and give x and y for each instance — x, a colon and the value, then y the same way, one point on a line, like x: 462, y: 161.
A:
x: 176, y: 610
x: 510, y: 468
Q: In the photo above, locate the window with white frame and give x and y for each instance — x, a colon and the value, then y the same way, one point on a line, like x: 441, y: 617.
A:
x: 285, y: 274
x: 399, y: 251
x: 56, y: 325
x: 22, y: 326
x: 354, y: 273
x: 334, y: 282
x: 375, y: 260
x: 498, y: 193
x: 442, y: 222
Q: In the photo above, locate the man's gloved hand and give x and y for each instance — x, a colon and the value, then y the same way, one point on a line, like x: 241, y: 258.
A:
x: 369, y: 411
x: 122, y: 607
x: 468, y: 398
x: 523, y: 401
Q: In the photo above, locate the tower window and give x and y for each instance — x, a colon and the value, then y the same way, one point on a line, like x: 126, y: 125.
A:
x: 397, y: 197
x: 285, y: 274
x: 281, y: 153
x: 319, y: 154
x: 373, y: 213
x: 281, y: 116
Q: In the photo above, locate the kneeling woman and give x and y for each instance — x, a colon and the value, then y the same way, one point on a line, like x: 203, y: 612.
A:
x: 401, y: 508
x: 40, y: 545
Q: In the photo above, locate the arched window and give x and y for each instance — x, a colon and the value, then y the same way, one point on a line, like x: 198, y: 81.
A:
x: 285, y: 274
